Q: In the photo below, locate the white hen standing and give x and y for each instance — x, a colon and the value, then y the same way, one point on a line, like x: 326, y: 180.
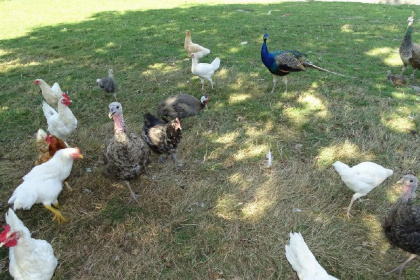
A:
x: 30, y: 259
x: 50, y: 94
x: 61, y: 123
x: 361, y: 178
x: 204, y: 70
x: 191, y: 47
x: 44, y: 183
x: 303, y: 261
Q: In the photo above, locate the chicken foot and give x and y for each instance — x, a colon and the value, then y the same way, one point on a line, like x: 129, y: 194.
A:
x: 57, y: 214
x: 178, y: 163
x: 401, y: 266
x: 133, y: 195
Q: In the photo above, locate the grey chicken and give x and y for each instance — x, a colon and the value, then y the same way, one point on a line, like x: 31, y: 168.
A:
x: 409, y: 51
x: 162, y: 137
x: 181, y: 106
x: 402, y: 224
x: 127, y: 155
x: 108, y: 84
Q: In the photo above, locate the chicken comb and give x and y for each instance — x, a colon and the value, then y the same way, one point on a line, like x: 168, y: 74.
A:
x: 4, y: 233
x: 48, y: 139
x: 66, y: 96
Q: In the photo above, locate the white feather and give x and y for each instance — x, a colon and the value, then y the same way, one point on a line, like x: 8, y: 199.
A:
x: 269, y: 158
x: 303, y: 261
x: 44, y: 182
x: 61, y: 123
x: 30, y: 259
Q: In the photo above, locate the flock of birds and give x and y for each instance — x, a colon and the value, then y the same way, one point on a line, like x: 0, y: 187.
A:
x: 127, y: 156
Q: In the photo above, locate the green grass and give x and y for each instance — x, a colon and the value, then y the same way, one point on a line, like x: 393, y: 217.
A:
x: 225, y: 216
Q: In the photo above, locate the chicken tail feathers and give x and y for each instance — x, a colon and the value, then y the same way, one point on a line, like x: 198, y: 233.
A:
x: 150, y: 120
x: 56, y: 88
x: 22, y: 201
x: 216, y: 63
x: 48, y: 110
x: 41, y: 135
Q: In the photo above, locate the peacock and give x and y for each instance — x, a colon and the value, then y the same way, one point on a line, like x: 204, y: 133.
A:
x: 282, y: 62
x: 409, y: 51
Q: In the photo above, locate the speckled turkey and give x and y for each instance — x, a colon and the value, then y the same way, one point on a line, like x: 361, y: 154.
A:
x: 181, y: 106
x: 162, y: 137
x: 127, y: 154
x: 402, y: 224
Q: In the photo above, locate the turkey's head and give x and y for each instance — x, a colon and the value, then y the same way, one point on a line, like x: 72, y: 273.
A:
x: 8, y: 238
x: 65, y: 99
x: 410, y: 184
x: 115, y: 108
x: 37, y: 81
x: 204, y: 99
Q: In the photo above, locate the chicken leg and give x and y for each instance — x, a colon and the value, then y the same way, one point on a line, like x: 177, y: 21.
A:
x: 57, y: 214
x: 178, y: 163
x: 401, y: 266
x: 133, y: 195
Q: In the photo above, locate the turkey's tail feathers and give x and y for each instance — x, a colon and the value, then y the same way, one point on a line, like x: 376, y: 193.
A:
x: 48, y: 110
x: 216, y: 63
x: 310, y: 64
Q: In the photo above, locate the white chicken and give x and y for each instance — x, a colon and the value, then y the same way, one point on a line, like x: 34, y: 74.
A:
x: 61, y: 123
x: 44, y: 183
x: 50, y: 94
x: 204, y: 70
x: 30, y: 259
x: 191, y: 47
x: 361, y: 178
x: 303, y: 261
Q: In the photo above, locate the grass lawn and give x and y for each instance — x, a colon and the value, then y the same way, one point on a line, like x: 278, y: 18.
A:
x: 224, y: 216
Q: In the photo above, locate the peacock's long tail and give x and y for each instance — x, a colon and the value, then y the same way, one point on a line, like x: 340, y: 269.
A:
x: 310, y: 64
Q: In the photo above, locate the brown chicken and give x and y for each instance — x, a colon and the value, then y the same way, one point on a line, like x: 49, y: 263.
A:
x: 191, y: 47
x: 47, y: 146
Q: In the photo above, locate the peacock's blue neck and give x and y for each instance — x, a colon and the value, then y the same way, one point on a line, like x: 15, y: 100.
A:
x: 265, y: 55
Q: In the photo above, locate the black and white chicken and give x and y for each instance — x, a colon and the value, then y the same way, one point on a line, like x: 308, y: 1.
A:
x: 162, y: 137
